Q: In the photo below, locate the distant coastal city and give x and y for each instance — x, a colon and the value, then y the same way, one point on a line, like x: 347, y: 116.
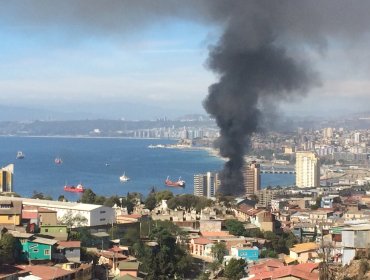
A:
x: 95, y: 230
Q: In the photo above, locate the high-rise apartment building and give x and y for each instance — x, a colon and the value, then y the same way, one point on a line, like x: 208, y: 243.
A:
x: 264, y: 197
x: 328, y: 133
x: 307, y: 170
x: 6, y: 178
x: 357, y: 138
x: 206, y: 184
x: 252, y: 178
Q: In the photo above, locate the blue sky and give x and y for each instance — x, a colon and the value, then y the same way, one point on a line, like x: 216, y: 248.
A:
x: 151, y: 71
x: 161, y: 66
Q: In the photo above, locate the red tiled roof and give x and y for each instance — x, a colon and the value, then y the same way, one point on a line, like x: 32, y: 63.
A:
x: 37, y: 208
x: 252, y: 212
x: 111, y: 255
x: 308, y: 267
x: 29, y: 215
x: 115, y: 249
x: 230, y: 243
x: 216, y: 234
x: 291, y: 270
x: 70, y: 244
x: 244, y: 208
x: 202, y: 241
x: 46, y: 210
x: 46, y: 272
x: 269, y: 265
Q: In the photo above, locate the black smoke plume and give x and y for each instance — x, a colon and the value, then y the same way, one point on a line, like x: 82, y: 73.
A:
x: 249, y: 74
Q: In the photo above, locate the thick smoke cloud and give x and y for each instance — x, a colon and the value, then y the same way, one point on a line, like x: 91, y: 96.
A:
x: 259, y: 58
x: 247, y: 75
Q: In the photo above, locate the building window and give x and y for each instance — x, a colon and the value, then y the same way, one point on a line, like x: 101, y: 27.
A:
x: 46, y: 230
x: 46, y: 252
x: 102, y: 212
x: 102, y: 219
x: 35, y: 250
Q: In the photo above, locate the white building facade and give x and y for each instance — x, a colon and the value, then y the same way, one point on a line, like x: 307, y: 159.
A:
x: 307, y: 170
x: 96, y: 215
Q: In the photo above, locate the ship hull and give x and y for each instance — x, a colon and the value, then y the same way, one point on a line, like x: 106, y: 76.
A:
x: 73, y: 189
x: 174, y: 184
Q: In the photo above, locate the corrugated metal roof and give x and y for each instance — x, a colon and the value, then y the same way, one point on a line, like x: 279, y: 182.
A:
x: 45, y: 241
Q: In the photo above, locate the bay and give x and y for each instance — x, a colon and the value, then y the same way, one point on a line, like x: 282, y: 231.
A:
x: 97, y: 163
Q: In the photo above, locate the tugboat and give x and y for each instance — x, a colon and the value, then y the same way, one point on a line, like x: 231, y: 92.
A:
x: 78, y: 188
x: 179, y: 183
x: 124, y: 178
x: 20, y: 155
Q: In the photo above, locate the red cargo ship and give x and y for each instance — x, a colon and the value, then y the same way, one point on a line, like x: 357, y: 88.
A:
x: 78, y: 188
x: 179, y: 183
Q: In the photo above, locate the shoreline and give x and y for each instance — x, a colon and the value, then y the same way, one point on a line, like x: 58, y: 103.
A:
x: 84, y: 137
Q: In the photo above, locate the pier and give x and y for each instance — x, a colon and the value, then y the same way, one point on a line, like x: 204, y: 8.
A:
x: 277, y: 171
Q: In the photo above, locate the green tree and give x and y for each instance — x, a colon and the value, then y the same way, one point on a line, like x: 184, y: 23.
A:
x: 88, y: 256
x: 269, y: 235
x: 163, y: 195
x: 40, y: 195
x: 71, y: 220
x: 226, y: 200
x: 254, y: 232
x: 150, y: 202
x: 204, y: 276
x: 218, y: 251
x: 100, y: 200
x: 131, y: 236
x: 173, y: 203
x: 201, y: 203
x: 111, y: 201
x: 62, y: 198
x: 235, y: 227
x: 8, y: 249
x: 235, y: 269
x: 168, y: 260
x: 188, y: 202
x: 86, y: 238
x: 88, y: 196
x: 126, y: 203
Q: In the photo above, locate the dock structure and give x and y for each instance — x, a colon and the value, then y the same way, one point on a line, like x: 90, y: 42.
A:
x: 277, y: 171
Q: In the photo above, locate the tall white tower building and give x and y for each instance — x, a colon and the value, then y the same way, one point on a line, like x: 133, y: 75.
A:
x: 357, y: 137
x: 307, y: 170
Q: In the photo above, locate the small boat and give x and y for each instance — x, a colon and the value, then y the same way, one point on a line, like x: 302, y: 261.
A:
x: 151, y: 146
x: 107, y: 164
x: 78, y: 188
x: 20, y: 155
x: 58, y: 160
x: 179, y: 183
x: 124, y: 178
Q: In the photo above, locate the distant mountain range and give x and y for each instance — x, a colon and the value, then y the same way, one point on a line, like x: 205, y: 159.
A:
x: 104, y: 110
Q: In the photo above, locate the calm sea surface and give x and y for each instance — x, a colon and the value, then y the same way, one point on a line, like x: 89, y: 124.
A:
x: 85, y: 159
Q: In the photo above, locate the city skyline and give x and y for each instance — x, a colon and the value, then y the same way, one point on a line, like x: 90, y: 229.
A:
x: 66, y: 65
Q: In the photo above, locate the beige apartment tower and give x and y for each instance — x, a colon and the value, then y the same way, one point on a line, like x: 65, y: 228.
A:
x: 307, y: 169
x: 252, y: 178
x: 206, y: 184
x: 6, y: 178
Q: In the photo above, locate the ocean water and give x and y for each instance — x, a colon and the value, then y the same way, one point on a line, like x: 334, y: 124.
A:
x: 84, y: 161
